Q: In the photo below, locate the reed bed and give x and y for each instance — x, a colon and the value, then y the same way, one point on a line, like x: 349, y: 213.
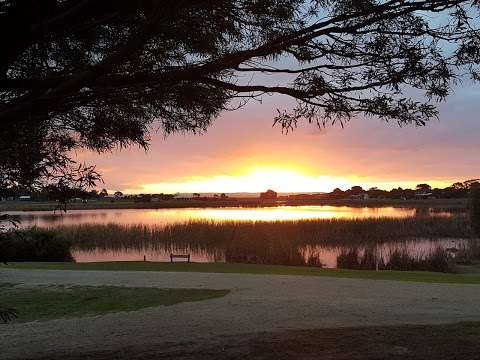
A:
x: 439, y: 260
x: 261, y: 242
x: 207, y: 234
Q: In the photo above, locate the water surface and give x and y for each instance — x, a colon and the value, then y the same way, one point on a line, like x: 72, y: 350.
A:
x: 172, y: 216
x: 325, y: 255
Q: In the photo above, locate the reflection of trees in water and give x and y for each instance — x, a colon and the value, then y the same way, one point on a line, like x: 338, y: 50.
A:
x: 422, y: 211
x: 263, y: 242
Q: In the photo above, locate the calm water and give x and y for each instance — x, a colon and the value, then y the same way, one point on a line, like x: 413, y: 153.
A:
x: 172, y: 216
x: 160, y: 217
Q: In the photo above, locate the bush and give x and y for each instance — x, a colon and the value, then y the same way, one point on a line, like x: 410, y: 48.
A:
x: 469, y: 253
x: 399, y: 260
x: 475, y: 209
x: 34, y: 245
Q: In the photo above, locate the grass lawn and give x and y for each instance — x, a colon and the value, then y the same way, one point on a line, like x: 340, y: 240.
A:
x: 469, y: 269
x: 439, y: 342
x: 418, y: 276
x: 50, y: 302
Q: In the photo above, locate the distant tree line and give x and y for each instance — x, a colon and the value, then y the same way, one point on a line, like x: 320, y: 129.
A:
x: 53, y: 193
x: 56, y: 193
x: 456, y: 190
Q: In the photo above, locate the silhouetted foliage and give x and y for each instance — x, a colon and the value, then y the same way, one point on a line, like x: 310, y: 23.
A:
x: 456, y: 190
x: 399, y: 260
x: 269, y: 194
x: 101, y: 74
x: 423, y: 188
x: 475, y: 208
x: 7, y: 315
x: 34, y: 245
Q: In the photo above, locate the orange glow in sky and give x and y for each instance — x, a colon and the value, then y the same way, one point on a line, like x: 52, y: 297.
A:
x: 262, y: 178
x: 241, y: 152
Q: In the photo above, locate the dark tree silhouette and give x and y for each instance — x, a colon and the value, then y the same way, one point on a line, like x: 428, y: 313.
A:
x: 269, y: 194
x: 475, y: 208
x: 356, y: 190
x: 423, y: 188
x: 100, y: 74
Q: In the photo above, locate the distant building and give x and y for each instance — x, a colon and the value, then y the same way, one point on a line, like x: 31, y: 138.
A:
x: 362, y: 196
x: 424, y: 195
x: 25, y: 198
x: 183, y: 196
x: 159, y: 197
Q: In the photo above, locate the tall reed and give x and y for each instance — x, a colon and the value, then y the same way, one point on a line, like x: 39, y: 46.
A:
x: 439, y: 260
x: 208, y: 234
x: 279, y: 242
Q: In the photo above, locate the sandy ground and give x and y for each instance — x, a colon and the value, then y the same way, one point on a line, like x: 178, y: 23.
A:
x: 256, y: 303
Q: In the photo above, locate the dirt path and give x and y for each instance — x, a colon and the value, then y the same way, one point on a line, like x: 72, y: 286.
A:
x: 256, y: 303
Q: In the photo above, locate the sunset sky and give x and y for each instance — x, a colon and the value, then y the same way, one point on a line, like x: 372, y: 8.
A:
x: 241, y: 152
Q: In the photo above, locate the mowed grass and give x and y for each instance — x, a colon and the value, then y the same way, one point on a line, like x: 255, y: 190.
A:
x: 472, y: 277
x: 55, y: 301
x: 469, y: 269
x: 413, y: 342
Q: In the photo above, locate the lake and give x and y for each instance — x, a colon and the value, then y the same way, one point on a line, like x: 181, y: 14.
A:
x: 109, y: 247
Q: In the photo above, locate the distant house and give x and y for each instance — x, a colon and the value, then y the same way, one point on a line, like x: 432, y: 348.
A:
x: 183, y: 196
x: 424, y: 195
x: 160, y: 197
x: 362, y: 196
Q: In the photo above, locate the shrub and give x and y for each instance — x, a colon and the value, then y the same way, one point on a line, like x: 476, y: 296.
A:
x: 475, y: 209
x: 469, y: 253
x: 349, y: 259
x: 399, y: 260
x: 439, y: 261
x: 34, y: 245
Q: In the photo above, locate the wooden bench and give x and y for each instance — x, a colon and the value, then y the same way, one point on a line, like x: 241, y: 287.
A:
x: 179, y: 256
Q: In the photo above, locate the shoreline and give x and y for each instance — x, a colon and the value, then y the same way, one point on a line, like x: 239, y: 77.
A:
x: 5, y: 206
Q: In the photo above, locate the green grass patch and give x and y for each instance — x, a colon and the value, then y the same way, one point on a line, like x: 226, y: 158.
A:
x: 417, y: 276
x: 469, y: 269
x: 55, y: 301
x: 412, y: 342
